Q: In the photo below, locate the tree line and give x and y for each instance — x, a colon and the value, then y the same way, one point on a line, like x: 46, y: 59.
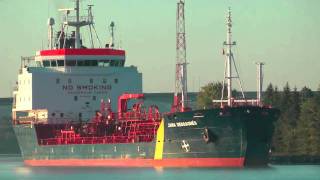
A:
x: 297, y: 131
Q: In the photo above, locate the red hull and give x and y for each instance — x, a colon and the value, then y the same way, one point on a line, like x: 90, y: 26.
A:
x: 176, y: 162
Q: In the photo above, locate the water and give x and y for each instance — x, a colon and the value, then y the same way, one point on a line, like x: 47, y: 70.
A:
x: 12, y: 167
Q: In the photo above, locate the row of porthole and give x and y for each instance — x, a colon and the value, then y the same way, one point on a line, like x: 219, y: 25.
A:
x: 104, y: 81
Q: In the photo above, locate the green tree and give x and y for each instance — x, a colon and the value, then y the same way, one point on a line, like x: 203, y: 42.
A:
x: 276, y: 98
x: 208, y: 93
x: 306, y: 93
x: 285, y: 98
x: 292, y: 115
x: 308, y: 128
x: 285, y: 127
x: 268, y: 95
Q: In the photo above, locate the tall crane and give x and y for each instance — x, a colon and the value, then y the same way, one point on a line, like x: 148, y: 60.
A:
x: 180, y: 101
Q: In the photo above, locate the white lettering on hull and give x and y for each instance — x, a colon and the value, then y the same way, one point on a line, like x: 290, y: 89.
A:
x: 182, y: 124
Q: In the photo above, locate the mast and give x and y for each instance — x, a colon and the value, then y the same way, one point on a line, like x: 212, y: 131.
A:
x: 229, y: 63
x: 51, y: 22
x: 77, y: 21
x: 112, y: 25
x: 180, y: 102
x: 229, y: 45
x: 77, y: 40
x: 259, y: 81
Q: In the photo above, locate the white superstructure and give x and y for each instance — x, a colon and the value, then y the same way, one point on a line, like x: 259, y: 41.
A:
x: 68, y: 81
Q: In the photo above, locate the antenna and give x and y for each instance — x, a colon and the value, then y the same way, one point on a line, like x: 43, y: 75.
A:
x: 112, y: 25
x: 51, y: 23
x: 180, y: 101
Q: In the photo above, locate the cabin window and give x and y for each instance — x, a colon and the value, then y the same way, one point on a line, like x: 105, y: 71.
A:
x: 94, y: 63
x: 46, y: 63
x: 91, y: 81
x: 104, y: 80
x: 57, y: 81
x: 61, y: 115
x: 53, y: 114
x: 113, y: 63
x: 60, y: 62
x: 94, y: 98
x: 100, y: 63
x: 81, y: 63
x: 87, y: 63
x: 75, y: 98
x: 71, y: 63
x: 69, y: 81
x: 104, y: 63
x: 53, y: 63
x: 116, y: 80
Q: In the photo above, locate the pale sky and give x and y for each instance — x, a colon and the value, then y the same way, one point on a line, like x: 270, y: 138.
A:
x: 285, y: 34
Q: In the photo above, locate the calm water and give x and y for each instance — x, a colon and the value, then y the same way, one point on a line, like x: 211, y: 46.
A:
x: 13, y: 168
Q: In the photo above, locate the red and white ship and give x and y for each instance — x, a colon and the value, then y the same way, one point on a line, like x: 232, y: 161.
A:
x: 68, y: 80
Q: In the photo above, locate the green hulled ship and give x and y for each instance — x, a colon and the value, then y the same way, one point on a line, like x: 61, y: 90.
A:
x: 230, y: 137
x: 55, y: 132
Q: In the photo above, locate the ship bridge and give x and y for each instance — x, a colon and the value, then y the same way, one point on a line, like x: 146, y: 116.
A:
x: 103, y: 57
x: 67, y: 81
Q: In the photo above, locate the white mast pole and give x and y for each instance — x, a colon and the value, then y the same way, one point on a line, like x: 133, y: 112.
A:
x: 77, y: 40
x: 229, y: 58
x: 259, y: 81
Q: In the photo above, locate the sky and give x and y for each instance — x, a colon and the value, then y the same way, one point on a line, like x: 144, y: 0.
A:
x: 284, y: 34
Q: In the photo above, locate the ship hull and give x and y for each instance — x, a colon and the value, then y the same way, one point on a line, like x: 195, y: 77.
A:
x: 173, y: 162
x: 235, y: 137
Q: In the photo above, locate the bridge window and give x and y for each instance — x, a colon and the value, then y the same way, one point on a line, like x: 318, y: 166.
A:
x: 94, y: 63
x: 53, y: 63
x: 71, y: 63
x: 104, y: 63
x: 46, y: 63
x: 81, y: 63
x: 60, y: 62
x: 113, y: 63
